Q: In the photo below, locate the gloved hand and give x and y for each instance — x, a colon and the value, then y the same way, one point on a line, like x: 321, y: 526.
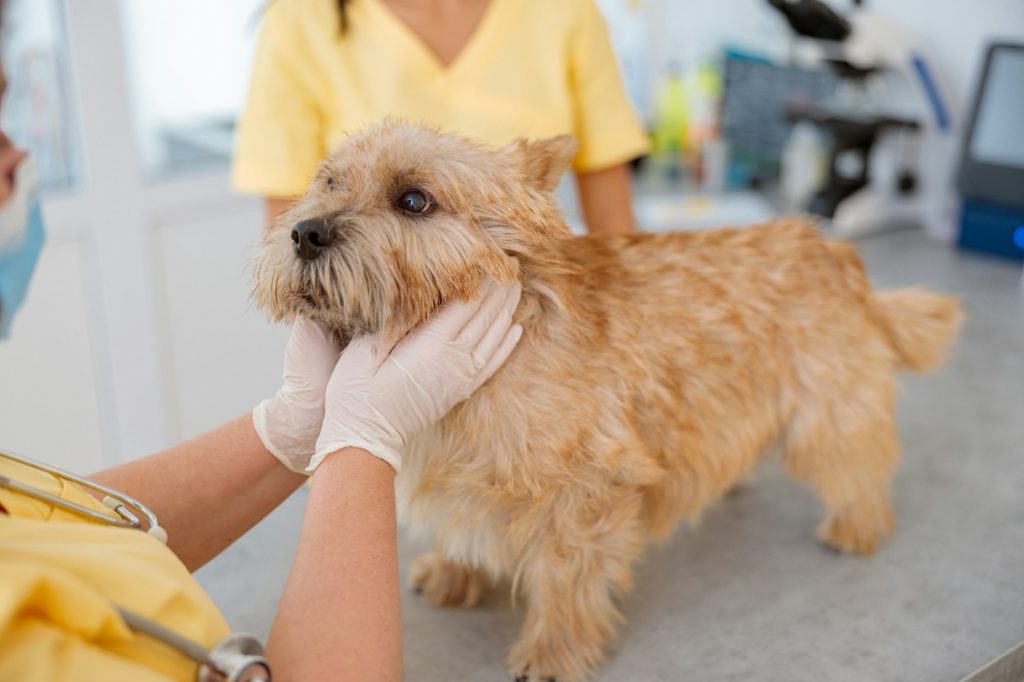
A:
x: 289, y: 423
x: 379, y: 402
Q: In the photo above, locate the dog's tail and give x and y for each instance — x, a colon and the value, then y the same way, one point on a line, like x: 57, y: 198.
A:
x: 921, y: 325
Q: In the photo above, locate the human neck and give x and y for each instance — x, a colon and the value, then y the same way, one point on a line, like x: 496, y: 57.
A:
x: 444, y: 26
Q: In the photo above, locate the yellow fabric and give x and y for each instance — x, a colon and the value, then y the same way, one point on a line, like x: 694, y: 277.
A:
x: 60, y: 575
x: 533, y: 68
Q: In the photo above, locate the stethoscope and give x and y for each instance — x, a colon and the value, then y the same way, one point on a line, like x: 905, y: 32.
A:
x: 238, y: 658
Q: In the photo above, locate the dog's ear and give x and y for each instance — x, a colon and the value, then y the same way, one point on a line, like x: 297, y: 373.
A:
x: 542, y: 162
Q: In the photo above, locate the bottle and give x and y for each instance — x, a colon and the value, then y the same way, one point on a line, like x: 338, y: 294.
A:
x: 670, y: 122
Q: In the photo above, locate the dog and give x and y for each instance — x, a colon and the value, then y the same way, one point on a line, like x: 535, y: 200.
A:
x: 654, y: 371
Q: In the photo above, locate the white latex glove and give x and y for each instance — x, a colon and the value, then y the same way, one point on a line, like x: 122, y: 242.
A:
x: 379, y: 403
x: 289, y: 423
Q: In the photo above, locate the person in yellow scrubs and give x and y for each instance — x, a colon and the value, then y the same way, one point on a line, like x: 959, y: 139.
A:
x: 66, y: 580
x: 492, y: 70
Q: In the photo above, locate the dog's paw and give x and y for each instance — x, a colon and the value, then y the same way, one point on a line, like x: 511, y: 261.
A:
x: 444, y: 583
x: 527, y: 677
x: 856, y: 533
x: 538, y: 662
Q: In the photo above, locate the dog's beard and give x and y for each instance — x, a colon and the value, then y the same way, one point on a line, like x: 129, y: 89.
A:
x: 320, y: 297
x: 354, y: 293
x: 324, y: 290
x: 333, y: 292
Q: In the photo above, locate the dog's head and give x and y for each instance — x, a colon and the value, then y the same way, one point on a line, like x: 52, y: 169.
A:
x: 400, y: 219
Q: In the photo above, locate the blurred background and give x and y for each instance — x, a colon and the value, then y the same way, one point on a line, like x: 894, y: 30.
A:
x: 139, y: 331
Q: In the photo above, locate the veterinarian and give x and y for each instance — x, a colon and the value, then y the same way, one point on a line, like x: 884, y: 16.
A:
x: 492, y: 70
x: 82, y: 597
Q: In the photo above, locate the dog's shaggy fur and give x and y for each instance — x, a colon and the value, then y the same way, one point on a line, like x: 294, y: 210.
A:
x: 654, y: 371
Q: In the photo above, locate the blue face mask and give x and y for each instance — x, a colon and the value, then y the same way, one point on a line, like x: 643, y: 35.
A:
x: 21, y: 240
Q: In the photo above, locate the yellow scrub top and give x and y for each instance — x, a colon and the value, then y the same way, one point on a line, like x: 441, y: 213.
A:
x: 60, y: 575
x: 532, y: 68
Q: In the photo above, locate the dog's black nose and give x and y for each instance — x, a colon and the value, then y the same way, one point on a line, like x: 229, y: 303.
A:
x: 311, y: 236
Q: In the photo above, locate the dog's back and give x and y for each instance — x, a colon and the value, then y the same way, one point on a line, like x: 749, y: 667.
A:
x: 725, y: 343
x: 654, y: 372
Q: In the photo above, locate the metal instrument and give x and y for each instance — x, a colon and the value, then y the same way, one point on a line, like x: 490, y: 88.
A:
x: 121, y: 504
x: 237, y: 658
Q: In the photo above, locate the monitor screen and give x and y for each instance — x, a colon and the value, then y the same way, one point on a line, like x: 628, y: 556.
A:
x: 998, y: 137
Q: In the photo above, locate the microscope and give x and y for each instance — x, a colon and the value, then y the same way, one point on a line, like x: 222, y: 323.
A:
x: 890, y: 131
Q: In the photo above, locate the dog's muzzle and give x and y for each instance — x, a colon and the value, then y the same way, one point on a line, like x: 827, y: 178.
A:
x: 311, y: 236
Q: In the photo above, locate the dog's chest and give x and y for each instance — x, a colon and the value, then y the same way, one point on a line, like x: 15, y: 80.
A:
x: 444, y: 493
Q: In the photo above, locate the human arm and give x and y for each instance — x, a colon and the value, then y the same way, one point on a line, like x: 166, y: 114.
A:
x: 208, y: 491
x: 340, y: 615
x: 275, y: 206
x: 606, y: 200
x: 607, y: 128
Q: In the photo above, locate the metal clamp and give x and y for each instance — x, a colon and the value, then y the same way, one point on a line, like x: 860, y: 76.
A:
x: 238, y: 658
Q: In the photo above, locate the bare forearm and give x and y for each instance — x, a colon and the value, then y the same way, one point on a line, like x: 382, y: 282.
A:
x: 340, y: 616
x: 208, y: 491
x: 606, y: 200
x: 275, y: 206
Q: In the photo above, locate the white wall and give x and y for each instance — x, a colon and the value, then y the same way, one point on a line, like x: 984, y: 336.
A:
x: 222, y: 356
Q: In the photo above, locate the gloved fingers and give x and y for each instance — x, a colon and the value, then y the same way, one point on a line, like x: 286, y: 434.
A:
x: 448, y: 320
x: 312, y: 338
x: 310, y: 357
x: 311, y: 349
x: 492, y: 337
x: 282, y: 443
x: 496, y: 309
x: 360, y: 355
x: 500, y: 355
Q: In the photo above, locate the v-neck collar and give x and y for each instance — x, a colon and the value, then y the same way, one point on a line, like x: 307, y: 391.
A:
x: 472, y: 50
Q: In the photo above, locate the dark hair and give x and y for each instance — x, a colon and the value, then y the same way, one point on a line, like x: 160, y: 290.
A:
x: 258, y: 14
x: 342, y: 17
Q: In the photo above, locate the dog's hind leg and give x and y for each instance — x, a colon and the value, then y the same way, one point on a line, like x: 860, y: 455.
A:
x: 571, y: 577
x: 447, y: 583
x: 846, y: 448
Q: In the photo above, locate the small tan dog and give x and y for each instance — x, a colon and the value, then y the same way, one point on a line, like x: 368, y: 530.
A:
x: 654, y: 371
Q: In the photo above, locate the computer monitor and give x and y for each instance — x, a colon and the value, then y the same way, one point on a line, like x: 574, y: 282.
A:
x: 992, y: 162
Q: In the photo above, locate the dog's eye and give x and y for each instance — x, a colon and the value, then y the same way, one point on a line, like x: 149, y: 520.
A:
x: 330, y: 183
x: 413, y: 201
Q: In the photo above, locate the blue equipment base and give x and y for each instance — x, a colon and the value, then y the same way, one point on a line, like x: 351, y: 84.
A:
x: 992, y: 228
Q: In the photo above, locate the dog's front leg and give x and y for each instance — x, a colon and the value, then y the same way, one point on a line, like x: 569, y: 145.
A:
x: 571, y: 581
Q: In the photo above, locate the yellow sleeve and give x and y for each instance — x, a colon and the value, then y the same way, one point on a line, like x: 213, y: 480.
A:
x: 606, y: 125
x: 280, y: 133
